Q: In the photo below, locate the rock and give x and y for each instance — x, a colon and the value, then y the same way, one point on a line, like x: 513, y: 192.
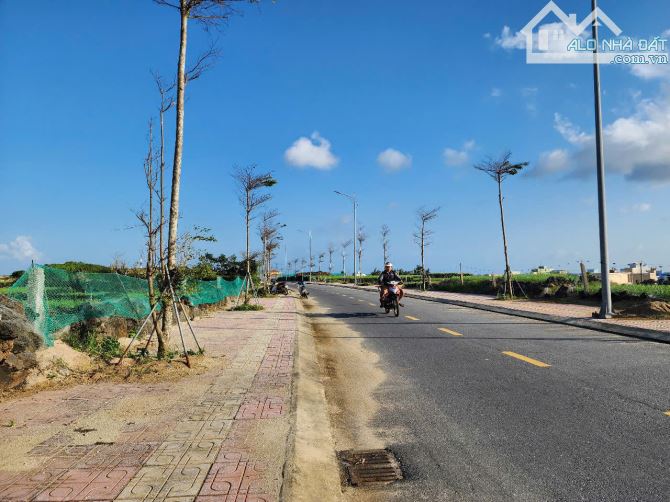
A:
x: 116, y: 327
x: 18, y: 343
x: 12, y: 305
x: 564, y: 291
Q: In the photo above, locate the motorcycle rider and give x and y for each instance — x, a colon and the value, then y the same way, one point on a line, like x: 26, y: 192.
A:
x: 385, y: 278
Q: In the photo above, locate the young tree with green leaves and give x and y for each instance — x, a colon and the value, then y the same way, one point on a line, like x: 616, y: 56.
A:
x: 498, y: 170
x: 249, y: 187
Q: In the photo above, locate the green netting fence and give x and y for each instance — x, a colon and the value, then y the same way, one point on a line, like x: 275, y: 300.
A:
x: 53, y: 298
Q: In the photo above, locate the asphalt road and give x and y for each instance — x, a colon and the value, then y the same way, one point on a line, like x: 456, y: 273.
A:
x: 585, y: 418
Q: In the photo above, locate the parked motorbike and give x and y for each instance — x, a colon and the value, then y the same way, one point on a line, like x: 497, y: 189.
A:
x: 281, y: 288
x: 391, y: 301
x: 303, y: 290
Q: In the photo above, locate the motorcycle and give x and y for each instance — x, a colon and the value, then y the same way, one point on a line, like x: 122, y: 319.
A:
x: 280, y: 288
x: 392, y: 298
x: 303, y: 290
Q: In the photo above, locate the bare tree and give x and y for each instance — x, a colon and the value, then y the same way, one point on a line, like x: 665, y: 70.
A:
x: 146, y: 218
x: 295, y: 266
x: 211, y: 13
x: 166, y: 103
x: 268, y: 231
x: 361, y: 237
x: 499, y: 169
x: 384, y: 233
x: 321, y: 257
x: 345, y: 245
x: 422, y: 236
x: 331, y: 250
x: 119, y: 264
x: 249, y: 183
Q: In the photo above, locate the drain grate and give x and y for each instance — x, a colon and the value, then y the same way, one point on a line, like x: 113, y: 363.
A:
x: 370, y: 467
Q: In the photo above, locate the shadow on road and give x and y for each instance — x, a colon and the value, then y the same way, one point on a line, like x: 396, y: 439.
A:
x: 344, y: 315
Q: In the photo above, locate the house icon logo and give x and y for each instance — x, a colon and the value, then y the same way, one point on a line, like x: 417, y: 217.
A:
x: 565, y: 41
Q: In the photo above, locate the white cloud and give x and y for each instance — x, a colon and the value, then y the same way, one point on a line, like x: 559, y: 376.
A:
x: 496, y: 93
x: 570, y: 132
x: 530, y: 96
x: 509, y: 40
x: 651, y: 71
x: 557, y: 43
x: 394, y: 160
x: 311, y: 152
x: 487, y: 35
x: 454, y: 157
x: 555, y: 161
x: 21, y: 249
x: 636, y: 146
x: 642, y: 207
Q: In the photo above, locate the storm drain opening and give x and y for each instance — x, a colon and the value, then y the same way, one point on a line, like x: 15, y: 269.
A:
x: 370, y: 467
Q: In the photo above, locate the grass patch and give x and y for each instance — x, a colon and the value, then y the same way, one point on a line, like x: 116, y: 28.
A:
x: 104, y: 347
x: 245, y: 307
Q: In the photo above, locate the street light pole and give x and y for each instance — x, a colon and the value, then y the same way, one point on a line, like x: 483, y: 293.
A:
x: 311, y: 260
x: 606, y: 301
x: 353, y: 200
x: 309, y: 233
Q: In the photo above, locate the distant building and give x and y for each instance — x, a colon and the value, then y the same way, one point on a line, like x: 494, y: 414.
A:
x: 546, y: 270
x: 639, y: 272
x: 634, y: 273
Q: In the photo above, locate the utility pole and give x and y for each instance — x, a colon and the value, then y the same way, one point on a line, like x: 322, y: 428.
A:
x: 606, y: 301
x: 353, y: 200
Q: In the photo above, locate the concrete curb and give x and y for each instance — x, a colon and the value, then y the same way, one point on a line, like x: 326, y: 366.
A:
x: 605, y: 327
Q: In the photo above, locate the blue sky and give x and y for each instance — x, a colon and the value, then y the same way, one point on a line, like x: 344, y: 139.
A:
x: 437, y: 86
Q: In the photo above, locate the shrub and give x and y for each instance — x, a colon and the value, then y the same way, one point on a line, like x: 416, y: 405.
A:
x: 105, y: 347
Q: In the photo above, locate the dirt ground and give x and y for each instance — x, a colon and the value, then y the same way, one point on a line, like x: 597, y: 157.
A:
x: 350, y: 377
x: 61, y: 367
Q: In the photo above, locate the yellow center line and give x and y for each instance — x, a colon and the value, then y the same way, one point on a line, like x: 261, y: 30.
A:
x: 452, y: 333
x: 411, y: 318
x: 529, y: 360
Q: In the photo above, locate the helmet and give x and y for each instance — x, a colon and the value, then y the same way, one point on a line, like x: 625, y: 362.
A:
x: 388, y: 264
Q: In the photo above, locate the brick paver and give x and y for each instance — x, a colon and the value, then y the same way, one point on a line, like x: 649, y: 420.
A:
x: 193, y: 439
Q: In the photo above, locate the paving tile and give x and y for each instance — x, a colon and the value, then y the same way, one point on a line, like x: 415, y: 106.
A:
x: 192, y: 448
x: 261, y: 408
x: 234, y: 477
x: 185, y: 481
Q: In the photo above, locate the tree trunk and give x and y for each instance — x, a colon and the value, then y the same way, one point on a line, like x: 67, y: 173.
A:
x: 179, y: 142
x: 246, y: 294
x: 423, y: 266
x: 161, y: 244
x: 176, y: 169
x: 508, y: 271
x: 151, y: 248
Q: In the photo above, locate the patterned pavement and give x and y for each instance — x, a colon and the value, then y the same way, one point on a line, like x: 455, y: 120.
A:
x: 219, y: 436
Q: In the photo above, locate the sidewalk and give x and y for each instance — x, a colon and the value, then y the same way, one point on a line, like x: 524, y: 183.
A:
x: 570, y: 314
x: 218, y: 436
